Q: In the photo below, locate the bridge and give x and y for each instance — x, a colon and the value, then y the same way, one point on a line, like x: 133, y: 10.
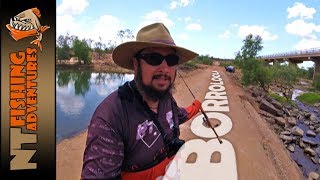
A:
x: 295, y: 57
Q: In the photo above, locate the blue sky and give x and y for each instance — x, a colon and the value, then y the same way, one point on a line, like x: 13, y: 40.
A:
x: 208, y: 27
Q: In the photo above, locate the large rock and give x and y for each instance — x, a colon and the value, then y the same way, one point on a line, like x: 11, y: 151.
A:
x: 313, y: 117
x: 295, y: 112
x: 292, y: 121
x: 311, y: 133
x: 302, y: 145
x: 291, y: 148
x: 313, y: 176
x: 257, y: 93
x: 276, y: 104
x: 281, y: 121
x: 266, y: 106
x: 297, y: 131
x: 286, y: 138
x: 309, y: 151
x: 309, y: 141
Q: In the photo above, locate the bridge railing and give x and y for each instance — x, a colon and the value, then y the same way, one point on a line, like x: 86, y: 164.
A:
x: 292, y: 53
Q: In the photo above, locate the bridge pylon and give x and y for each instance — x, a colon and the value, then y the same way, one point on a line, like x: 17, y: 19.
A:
x: 316, y: 70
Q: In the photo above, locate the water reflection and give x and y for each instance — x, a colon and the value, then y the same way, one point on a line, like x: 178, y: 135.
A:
x: 78, y: 93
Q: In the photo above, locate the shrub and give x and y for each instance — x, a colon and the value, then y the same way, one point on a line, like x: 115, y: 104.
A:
x: 190, y: 64
x: 254, y: 73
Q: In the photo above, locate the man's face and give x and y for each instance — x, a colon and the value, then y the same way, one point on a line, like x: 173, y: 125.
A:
x: 157, y: 77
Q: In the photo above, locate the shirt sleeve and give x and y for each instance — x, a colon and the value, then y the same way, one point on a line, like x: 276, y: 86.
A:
x: 104, y: 151
x: 193, y: 109
x: 189, y: 112
x: 182, y: 115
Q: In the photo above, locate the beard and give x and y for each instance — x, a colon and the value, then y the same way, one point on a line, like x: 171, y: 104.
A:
x: 150, y: 91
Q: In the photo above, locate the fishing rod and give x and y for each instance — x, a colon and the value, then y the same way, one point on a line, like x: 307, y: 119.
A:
x: 205, y: 118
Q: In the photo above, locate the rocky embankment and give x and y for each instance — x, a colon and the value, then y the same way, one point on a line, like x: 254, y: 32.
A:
x: 298, y: 129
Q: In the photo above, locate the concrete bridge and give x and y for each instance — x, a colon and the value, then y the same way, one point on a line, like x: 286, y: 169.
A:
x: 296, y: 57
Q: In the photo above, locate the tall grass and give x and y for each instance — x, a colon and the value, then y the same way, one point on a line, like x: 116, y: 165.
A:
x: 281, y: 99
x: 309, y: 98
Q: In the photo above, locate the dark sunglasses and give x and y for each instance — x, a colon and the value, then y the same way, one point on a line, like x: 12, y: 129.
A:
x: 155, y: 59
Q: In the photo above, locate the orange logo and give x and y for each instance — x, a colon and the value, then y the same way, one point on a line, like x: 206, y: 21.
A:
x: 27, y: 24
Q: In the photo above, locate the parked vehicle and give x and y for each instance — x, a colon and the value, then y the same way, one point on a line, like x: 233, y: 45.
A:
x: 231, y: 69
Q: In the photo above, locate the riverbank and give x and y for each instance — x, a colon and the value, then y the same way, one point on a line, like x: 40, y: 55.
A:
x: 297, y: 124
x: 96, y: 66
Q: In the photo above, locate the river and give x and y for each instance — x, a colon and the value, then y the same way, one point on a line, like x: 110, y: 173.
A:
x: 78, y: 93
x: 304, y: 161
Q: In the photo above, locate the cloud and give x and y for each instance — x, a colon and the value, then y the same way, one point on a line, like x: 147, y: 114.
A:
x: 187, y: 19
x: 105, y: 27
x: 67, y: 102
x: 182, y: 36
x: 194, y: 26
x: 156, y: 16
x: 67, y: 24
x: 307, y: 31
x: 180, y: 3
x: 301, y: 28
x: 72, y: 7
x: 225, y: 35
x: 307, y: 44
x: 300, y: 10
x: 173, y: 5
x: 255, y: 30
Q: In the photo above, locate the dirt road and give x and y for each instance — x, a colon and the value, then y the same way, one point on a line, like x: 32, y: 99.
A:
x: 259, y: 152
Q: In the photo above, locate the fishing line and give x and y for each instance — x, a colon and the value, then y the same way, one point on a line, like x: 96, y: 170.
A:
x: 205, y: 118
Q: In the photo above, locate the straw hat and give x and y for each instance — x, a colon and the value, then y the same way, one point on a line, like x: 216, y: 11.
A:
x: 153, y: 35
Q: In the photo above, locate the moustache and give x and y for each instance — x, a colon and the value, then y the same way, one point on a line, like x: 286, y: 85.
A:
x: 161, y: 76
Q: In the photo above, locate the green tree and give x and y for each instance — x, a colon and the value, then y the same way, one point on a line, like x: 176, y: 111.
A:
x: 63, y: 50
x: 63, y: 53
x: 254, y: 71
x: 252, y: 45
x: 81, y: 50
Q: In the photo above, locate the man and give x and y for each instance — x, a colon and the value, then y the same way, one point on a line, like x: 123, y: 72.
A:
x: 134, y: 132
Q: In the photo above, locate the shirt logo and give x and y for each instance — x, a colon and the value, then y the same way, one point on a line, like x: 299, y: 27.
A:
x: 169, y: 118
x: 148, y: 133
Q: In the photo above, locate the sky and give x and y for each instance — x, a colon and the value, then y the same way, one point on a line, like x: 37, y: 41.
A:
x: 209, y: 27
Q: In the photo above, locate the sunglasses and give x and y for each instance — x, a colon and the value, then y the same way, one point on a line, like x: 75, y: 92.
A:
x: 155, y: 59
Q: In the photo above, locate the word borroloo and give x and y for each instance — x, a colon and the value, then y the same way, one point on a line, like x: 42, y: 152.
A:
x: 214, y: 105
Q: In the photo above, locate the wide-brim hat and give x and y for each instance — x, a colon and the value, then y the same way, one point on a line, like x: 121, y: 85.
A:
x: 153, y: 35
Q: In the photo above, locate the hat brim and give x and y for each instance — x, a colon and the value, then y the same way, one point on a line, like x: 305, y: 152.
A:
x: 122, y: 55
